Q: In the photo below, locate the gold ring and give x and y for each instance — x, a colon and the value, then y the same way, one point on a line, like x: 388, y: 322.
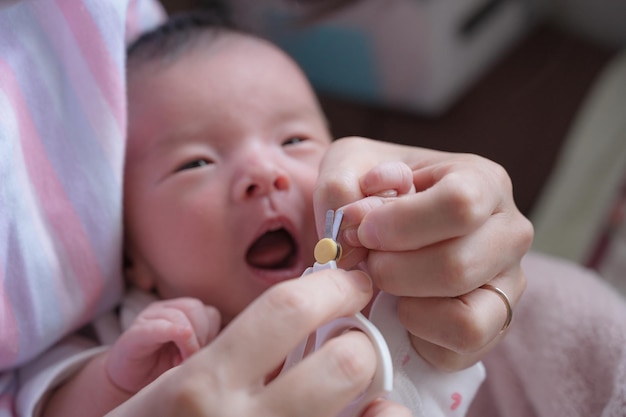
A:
x: 507, y: 302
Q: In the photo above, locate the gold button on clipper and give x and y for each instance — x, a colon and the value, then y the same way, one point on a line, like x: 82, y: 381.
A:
x: 327, y: 252
x: 328, y: 249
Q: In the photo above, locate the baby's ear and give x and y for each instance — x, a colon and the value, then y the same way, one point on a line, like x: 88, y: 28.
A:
x: 137, y: 273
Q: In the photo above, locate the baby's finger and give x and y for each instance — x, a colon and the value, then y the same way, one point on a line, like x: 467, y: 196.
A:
x: 197, y: 323
x: 204, y: 320
x: 170, y: 326
x: 389, y: 179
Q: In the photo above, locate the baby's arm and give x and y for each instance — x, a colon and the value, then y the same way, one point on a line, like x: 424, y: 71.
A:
x: 161, y: 337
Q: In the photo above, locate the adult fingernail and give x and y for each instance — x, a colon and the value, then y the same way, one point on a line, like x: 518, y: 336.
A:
x: 368, y: 236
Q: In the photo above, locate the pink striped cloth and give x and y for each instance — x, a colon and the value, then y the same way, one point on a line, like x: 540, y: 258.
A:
x: 62, y: 127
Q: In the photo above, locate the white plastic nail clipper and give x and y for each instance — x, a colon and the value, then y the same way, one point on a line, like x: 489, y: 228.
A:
x: 327, y: 253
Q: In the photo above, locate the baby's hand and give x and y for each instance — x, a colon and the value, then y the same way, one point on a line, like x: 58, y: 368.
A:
x: 161, y: 337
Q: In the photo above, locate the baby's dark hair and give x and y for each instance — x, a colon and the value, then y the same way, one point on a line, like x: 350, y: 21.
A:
x: 180, y: 33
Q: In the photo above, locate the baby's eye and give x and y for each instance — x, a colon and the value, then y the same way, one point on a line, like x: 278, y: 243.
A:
x: 196, y: 163
x: 294, y: 140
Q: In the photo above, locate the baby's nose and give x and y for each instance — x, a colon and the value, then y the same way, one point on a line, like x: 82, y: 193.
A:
x: 259, y: 177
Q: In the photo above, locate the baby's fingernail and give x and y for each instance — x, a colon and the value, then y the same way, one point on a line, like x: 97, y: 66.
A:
x: 387, y: 194
x: 351, y: 237
x: 362, y: 280
x: 368, y: 236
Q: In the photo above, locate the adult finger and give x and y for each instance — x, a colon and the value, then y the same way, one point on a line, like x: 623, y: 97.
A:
x: 348, y: 160
x: 456, y: 266
x: 284, y: 316
x: 454, y: 332
x: 385, y: 408
x: 353, y: 251
x: 343, y: 167
x: 326, y: 381
x: 457, y: 204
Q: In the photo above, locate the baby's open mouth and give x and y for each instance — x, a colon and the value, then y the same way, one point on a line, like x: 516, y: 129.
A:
x: 273, y: 250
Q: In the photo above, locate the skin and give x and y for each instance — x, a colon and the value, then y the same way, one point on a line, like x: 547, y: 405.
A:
x: 432, y: 246
x: 215, y: 161
x: 226, y: 378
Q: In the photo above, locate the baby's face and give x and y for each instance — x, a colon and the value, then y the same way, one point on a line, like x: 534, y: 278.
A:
x: 223, y: 154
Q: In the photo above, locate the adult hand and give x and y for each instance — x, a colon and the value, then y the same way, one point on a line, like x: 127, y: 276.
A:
x: 453, y: 228
x: 232, y: 375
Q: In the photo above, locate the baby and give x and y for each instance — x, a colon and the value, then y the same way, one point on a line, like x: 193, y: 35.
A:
x: 225, y: 140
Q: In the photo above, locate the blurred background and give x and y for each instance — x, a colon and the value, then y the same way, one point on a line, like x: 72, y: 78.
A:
x: 538, y: 86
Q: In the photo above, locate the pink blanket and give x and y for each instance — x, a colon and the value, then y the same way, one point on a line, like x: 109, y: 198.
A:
x: 565, y: 353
